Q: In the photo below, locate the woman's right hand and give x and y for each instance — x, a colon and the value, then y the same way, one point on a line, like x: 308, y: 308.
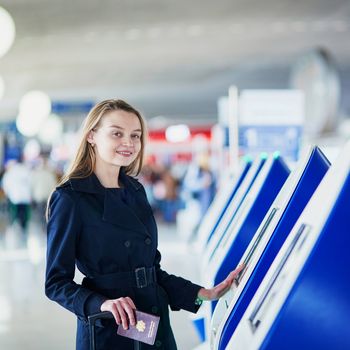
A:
x: 122, y: 310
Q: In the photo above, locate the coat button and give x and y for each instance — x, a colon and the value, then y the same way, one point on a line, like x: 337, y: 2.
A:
x: 127, y: 244
x: 148, y: 241
x: 158, y: 344
x: 154, y: 309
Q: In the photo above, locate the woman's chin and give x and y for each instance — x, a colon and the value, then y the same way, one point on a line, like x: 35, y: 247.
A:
x: 122, y: 162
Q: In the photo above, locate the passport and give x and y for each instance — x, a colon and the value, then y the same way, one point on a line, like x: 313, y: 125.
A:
x: 145, y: 329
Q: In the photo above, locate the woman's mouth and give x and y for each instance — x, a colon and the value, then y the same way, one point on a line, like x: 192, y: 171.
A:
x: 124, y: 153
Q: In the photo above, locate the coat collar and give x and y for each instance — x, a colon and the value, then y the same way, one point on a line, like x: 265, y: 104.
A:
x: 91, y: 183
x: 136, y: 219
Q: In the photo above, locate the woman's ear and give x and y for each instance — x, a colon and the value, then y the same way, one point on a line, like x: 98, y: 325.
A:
x: 90, y: 138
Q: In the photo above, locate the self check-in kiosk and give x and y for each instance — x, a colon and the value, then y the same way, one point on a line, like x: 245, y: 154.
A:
x: 248, y: 218
x: 245, y: 223
x: 220, y: 203
x: 267, y: 242
x: 231, y: 211
x: 252, y: 173
x: 303, y: 302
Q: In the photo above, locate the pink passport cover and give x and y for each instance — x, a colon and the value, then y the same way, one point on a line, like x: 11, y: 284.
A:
x: 145, y: 329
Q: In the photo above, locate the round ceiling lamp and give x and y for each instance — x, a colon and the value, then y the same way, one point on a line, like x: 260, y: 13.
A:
x: 177, y: 133
x: 7, y: 30
x: 26, y: 126
x: 34, y: 108
x: 51, y: 130
x: 35, y: 103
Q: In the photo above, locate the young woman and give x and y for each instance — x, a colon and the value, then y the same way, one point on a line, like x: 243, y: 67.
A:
x: 99, y: 220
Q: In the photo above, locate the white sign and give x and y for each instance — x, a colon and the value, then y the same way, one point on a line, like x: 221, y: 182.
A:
x: 271, y: 121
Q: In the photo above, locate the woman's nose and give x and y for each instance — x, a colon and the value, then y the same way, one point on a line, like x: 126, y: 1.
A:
x: 127, y: 141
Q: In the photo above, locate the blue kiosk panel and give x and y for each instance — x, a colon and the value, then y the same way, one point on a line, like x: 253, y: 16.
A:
x: 238, y: 182
x: 316, y: 313
x: 232, y: 209
x: 314, y: 171
x: 269, y: 189
x: 229, y: 214
x: 273, y: 182
x: 303, y: 301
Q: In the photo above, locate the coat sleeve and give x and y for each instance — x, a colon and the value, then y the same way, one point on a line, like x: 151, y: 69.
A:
x: 182, y: 293
x: 63, y: 230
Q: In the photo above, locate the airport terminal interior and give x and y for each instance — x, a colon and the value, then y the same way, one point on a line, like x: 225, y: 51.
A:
x: 246, y: 164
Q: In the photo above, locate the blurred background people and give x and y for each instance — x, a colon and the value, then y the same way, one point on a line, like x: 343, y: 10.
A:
x: 197, y: 193
x: 17, y: 188
x: 43, y: 181
x: 199, y: 183
x: 162, y: 188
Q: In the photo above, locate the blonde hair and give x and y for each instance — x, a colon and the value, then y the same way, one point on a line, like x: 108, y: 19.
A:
x: 84, y: 162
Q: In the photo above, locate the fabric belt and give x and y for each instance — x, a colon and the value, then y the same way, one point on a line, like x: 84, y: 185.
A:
x: 139, y: 278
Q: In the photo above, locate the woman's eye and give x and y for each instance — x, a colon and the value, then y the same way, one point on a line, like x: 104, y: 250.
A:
x: 117, y: 134
x: 136, y: 136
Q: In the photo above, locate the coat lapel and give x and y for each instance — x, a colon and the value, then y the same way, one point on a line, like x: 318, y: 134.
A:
x: 130, y: 211
x: 116, y: 211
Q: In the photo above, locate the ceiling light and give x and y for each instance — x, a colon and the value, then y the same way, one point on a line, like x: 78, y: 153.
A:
x: 36, y: 104
x: 7, y: 30
x: 177, y: 133
x: 51, y: 131
x: 27, y: 126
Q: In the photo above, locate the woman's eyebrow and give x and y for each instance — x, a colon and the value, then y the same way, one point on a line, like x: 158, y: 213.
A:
x: 115, y: 126
x: 119, y: 127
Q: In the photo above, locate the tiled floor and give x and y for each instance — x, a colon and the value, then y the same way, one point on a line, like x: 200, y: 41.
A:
x: 28, y: 320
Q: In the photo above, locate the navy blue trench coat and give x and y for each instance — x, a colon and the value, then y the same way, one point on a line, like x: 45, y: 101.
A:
x: 107, y: 232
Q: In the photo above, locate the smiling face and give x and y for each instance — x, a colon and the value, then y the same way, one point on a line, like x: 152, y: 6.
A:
x: 116, y: 139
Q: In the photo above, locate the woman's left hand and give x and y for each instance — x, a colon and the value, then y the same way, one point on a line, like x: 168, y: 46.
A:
x: 219, y: 290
